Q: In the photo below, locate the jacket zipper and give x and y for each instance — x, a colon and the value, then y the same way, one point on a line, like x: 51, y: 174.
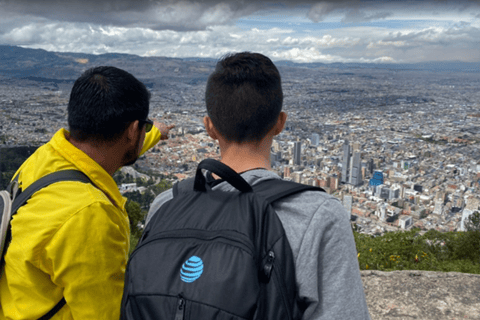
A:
x: 180, y: 314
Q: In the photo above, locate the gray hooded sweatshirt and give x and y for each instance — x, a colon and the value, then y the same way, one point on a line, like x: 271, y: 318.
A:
x: 319, y: 232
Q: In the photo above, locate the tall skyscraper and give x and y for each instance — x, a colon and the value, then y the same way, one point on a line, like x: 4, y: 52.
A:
x: 315, y: 139
x: 356, y: 173
x: 370, y: 166
x: 297, y: 153
x: 346, y: 162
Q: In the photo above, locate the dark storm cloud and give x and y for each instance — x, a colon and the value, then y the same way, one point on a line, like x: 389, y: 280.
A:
x: 154, y: 14
x: 184, y: 15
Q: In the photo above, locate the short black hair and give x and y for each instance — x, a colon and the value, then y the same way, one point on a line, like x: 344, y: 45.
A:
x: 244, y: 96
x: 103, y: 102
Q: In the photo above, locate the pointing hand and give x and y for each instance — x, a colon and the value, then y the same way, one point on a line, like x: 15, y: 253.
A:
x: 164, y: 129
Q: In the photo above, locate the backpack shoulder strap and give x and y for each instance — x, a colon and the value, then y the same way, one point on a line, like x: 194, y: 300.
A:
x: 54, y: 310
x: 64, y: 175
x: 276, y: 189
x: 23, y: 196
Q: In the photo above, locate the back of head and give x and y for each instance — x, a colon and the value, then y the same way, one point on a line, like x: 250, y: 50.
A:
x: 244, y: 96
x: 103, y: 102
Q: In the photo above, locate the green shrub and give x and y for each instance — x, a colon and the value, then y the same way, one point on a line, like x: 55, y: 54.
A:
x: 434, y: 251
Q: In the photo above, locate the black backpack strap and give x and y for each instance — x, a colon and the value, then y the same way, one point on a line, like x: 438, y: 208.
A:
x: 23, y: 196
x: 54, y: 310
x: 223, y: 171
x: 64, y: 175
x: 276, y: 189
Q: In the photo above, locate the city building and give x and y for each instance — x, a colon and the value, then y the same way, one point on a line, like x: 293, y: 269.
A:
x: 297, y: 153
x: 346, y: 162
x: 377, y: 179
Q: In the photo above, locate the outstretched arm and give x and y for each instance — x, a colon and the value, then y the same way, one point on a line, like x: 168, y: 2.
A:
x: 159, y: 132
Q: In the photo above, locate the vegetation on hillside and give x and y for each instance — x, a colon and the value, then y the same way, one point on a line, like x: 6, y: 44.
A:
x: 10, y: 160
x: 137, y: 207
x: 433, y: 251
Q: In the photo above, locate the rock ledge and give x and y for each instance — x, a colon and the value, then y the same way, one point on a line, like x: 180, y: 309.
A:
x: 412, y: 294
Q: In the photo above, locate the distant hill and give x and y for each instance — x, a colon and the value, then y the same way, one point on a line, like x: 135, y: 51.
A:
x: 440, y: 66
x: 23, y: 64
x: 38, y: 65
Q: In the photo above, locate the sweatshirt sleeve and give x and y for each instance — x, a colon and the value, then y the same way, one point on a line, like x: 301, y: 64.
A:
x: 87, y: 257
x: 157, y: 203
x: 327, y: 268
x: 151, y: 139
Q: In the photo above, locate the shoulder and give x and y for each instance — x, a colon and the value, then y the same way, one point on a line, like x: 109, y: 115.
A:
x: 159, y: 201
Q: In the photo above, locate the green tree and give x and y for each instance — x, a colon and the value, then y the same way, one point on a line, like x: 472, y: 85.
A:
x: 163, y: 185
x: 136, y: 216
x: 472, y: 223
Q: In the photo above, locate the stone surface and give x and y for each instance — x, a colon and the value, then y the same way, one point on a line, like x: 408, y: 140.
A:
x: 422, y: 295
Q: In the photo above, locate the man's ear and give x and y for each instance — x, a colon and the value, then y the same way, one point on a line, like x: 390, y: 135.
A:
x: 282, y: 119
x: 132, y: 132
x: 212, y: 132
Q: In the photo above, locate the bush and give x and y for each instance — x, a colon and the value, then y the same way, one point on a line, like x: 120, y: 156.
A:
x: 434, y: 251
x: 136, y: 216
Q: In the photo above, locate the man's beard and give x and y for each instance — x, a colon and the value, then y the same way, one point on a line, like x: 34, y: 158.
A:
x: 131, y: 156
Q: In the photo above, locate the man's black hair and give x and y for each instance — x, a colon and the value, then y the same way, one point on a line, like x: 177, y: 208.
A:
x: 244, y: 96
x: 103, y: 102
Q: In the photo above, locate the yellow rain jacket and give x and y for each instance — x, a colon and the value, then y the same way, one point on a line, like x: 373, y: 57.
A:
x: 70, y: 240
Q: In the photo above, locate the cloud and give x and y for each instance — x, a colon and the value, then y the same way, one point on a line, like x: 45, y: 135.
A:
x: 157, y: 15
x: 319, y: 12
x: 356, y: 16
x: 353, y: 11
x: 186, y: 15
x: 207, y: 29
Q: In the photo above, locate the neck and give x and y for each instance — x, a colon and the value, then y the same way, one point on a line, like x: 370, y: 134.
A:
x: 246, y: 156
x: 99, y: 153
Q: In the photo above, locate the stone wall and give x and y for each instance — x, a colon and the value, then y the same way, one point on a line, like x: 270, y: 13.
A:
x: 422, y: 295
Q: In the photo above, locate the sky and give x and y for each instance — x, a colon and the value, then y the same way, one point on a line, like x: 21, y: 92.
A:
x: 367, y: 31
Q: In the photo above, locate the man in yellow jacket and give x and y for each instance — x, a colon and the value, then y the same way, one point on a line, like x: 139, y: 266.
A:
x: 71, y: 239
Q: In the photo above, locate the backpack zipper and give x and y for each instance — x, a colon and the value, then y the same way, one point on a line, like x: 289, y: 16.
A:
x: 280, y: 284
x: 268, y: 267
x: 180, y: 314
x: 231, y: 238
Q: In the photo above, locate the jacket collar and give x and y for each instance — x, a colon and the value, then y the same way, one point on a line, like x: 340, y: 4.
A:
x: 87, y: 165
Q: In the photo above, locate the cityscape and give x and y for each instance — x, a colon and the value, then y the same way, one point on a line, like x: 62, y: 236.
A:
x: 399, y: 147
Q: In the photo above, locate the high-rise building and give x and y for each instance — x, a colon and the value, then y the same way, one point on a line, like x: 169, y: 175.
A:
x: 385, y: 193
x: 438, y: 209
x: 356, y: 173
x: 377, y: 179
x: 346, y: 162
x: 297, y: 153
x: 394, y: 193
x: 370, y: 166
x: 333, y: 183
x: 287, y: 171
x: 315, y: 139
x: 356, y: 146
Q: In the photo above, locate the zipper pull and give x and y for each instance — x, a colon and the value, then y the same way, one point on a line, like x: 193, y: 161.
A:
x: 268, y: 267
x: 180, y: 314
